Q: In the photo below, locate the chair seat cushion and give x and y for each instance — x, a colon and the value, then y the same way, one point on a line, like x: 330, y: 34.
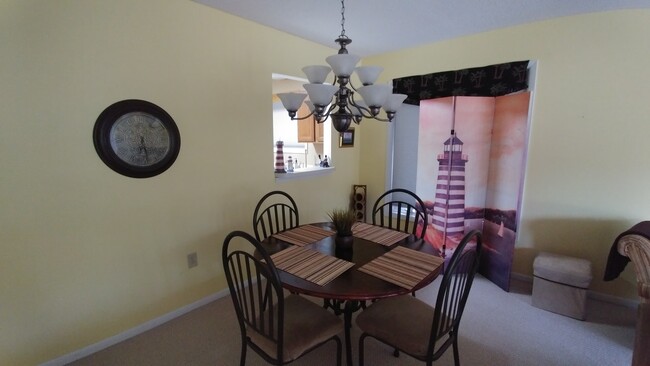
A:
x: 306, y: 325
x: 401, y: 321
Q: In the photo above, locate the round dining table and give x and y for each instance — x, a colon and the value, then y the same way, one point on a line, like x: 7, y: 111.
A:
x: 350, y: 291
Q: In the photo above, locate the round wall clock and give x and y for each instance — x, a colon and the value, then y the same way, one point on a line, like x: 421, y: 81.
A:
x: 136, y: 138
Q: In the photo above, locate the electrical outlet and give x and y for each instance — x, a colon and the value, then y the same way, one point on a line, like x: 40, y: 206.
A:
x: 192, y: 260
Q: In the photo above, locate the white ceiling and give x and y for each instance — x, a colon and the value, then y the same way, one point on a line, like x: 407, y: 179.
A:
x: 379, y: 26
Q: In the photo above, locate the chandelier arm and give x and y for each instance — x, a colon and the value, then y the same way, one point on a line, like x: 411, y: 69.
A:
x: 361, y: 109
x: 305, y: 117
x: 323, y: 117
x: 356, y: 118
x: 352, y: 85
x: 365, y: 112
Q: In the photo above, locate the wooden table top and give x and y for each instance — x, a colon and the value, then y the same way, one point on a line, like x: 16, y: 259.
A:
x: 352, y: 284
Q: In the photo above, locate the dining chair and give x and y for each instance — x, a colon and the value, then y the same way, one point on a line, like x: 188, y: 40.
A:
x: 414, y: 327
x: 276, y: 211
x: 280, y: 329
x: 402, y: 211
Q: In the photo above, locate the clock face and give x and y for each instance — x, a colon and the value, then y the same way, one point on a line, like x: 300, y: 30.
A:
x: 139, y: 139
x: 136, y: 138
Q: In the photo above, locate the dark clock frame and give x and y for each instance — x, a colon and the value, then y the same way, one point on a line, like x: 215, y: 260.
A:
x: 101, y: 138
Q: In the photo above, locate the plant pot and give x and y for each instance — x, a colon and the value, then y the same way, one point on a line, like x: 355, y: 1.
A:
x: 344, y: 241
x: 343, y: 253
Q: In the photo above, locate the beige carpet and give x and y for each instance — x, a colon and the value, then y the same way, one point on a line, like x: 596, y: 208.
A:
x: 498, y: 328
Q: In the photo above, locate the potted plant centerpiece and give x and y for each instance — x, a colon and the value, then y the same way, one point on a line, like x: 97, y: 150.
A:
x: 343, y: 220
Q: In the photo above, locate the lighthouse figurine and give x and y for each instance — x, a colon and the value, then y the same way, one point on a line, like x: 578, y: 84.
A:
x: 279, y: 157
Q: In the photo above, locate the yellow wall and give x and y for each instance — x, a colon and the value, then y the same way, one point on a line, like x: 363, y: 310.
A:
x: 87, y: 253
x: 589, y: 158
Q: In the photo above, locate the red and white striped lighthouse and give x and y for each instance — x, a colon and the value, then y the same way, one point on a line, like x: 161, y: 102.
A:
x: 279, y: 157
x: 449, y: 205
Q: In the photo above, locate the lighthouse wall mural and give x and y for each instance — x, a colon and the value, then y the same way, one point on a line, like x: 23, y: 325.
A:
x: 471, y: 158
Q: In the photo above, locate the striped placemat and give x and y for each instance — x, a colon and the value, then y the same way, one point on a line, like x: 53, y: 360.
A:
x: 377, y: 234
x: 303, y: 235
x: 310, y: 265
x: 403, y: 266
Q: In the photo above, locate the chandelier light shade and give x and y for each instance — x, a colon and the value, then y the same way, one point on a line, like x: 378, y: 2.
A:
x: 368, y: 74
x: 375, y: 95
x: 337, y: 100
x: 343, y: 64
x: 316, y: 74
x: 292, y: 101
x: 320, y: 94
x: 393, y: 102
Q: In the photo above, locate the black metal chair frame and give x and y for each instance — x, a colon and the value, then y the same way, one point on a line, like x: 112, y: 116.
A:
x: 255, y: 288
x: 450, y: 302
x: 275, y: 217
x: 383, y: 212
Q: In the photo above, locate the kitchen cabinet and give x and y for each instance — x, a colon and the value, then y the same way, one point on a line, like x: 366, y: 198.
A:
x: 319, y: 131
x: 308, y: 129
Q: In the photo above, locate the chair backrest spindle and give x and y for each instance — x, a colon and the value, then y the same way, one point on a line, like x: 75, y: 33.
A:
x: 454, y: 288
x: 275, y: 212
x: 403, y: 211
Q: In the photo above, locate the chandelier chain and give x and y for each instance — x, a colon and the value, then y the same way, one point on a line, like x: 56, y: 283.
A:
x: 343, y: 20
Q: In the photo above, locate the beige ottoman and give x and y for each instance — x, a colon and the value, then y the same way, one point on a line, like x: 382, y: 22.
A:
x: 560, y: 284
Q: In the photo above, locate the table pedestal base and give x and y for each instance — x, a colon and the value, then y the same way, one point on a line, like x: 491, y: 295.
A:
x: 347, y: 308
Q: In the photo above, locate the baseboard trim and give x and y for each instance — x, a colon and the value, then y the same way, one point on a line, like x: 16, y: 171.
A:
x: 129, y: 333
x: 521, y: 277
x: 599, y: 296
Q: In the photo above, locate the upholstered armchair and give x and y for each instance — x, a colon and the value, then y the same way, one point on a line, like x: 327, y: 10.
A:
x: 637, y: 248
x: 634, y: 245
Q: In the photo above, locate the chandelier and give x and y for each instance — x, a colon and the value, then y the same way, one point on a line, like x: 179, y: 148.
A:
x: 345, y: 109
